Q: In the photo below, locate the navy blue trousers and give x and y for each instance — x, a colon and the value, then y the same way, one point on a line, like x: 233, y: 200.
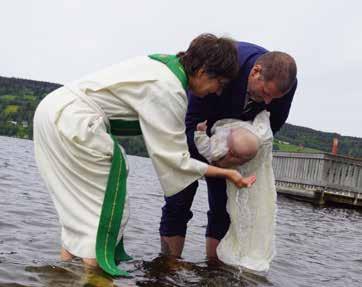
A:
x: 176, y: 212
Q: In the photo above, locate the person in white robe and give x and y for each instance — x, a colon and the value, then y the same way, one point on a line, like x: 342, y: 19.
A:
x: 250, y: 240
x: 74, y: 149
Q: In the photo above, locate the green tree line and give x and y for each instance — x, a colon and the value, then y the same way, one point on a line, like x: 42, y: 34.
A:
x: 20, y: 97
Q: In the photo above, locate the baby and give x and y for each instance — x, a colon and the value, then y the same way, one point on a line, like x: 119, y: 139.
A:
x: 247, y: 147
x: 228, y: 147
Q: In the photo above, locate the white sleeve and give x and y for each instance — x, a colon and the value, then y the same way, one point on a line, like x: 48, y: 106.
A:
x: 162, y: 116
x: 202, y: 142
x: 261, y: 126
x: 218, y: 144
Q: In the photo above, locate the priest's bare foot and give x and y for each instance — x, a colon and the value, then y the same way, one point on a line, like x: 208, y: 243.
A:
x: 65, y: 255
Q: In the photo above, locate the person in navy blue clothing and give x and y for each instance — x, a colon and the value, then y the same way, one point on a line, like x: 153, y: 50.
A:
x: 266, y: 80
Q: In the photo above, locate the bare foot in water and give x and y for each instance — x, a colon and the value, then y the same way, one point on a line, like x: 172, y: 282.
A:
x: 90, y: 262
x: 65, y: 255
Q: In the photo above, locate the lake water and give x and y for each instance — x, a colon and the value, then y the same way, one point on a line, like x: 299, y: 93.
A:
x: 315, y: 246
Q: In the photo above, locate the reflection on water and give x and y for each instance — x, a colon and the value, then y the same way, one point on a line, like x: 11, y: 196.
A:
x: 315, y: 246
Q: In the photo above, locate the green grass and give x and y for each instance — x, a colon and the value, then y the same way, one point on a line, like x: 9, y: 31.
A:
x: 30, y: 98
x: 293, y: 148
x: 10, y: 109
x: 7, y: 98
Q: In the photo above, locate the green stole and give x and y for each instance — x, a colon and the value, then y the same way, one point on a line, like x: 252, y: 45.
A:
x: 108, y: 253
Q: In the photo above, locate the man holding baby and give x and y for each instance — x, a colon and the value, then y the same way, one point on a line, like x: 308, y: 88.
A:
x: 266, y: 81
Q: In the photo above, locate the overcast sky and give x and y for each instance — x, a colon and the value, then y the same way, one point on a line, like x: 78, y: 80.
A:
x: 61, y: 40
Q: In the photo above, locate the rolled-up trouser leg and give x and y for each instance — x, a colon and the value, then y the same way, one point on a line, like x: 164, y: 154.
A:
x: 218, y: 219
x: 176, y: 212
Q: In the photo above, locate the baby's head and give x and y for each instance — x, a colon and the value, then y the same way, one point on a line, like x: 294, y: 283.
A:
x: 243, y: 145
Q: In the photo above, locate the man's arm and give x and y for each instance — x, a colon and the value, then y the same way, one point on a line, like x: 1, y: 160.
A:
x: 195, y: 114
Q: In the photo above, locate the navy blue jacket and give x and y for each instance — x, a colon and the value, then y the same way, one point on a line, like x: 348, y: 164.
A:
x: 230, y: 104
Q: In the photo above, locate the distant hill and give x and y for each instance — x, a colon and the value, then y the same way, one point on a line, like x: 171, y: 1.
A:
x: 16, y: 86
x: 19, y: 98
x: 309, y: 138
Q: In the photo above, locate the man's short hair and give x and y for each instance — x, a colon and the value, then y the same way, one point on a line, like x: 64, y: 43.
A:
x: 279, y: 67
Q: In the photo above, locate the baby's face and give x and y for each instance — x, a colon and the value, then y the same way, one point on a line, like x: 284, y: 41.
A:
x: 236, y: 158
x: 232, y: 159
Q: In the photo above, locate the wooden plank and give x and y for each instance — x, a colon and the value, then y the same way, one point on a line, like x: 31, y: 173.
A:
x: 339, y: 174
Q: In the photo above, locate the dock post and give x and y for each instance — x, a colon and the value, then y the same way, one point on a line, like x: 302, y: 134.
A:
x: 321, y: 197
x: 355, y: 199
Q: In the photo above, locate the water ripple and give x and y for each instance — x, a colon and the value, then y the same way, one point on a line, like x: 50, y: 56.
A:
x: 315, y: 246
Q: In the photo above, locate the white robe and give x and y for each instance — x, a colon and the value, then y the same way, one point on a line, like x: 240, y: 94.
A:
x: 74, y: 151
x: 249, y: 241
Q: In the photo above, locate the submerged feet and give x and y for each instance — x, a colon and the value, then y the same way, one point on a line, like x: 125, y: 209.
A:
x: 211, y: 245
x: 67, y: 256
x: 172, y: 245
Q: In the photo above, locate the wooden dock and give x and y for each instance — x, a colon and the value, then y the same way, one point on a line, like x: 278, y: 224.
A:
x: 319, y: 178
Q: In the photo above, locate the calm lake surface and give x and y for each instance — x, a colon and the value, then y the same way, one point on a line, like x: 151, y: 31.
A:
x: 315, y: 246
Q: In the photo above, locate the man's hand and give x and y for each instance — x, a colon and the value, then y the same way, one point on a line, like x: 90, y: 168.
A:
x: 201, y: 127
x: 240, y: 181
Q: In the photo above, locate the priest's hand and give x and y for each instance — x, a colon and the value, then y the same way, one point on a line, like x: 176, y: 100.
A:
x: 240, y: 181
x: 231, y: 174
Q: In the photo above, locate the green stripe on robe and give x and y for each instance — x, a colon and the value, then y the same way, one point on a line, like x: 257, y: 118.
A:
x: 108, y: 253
